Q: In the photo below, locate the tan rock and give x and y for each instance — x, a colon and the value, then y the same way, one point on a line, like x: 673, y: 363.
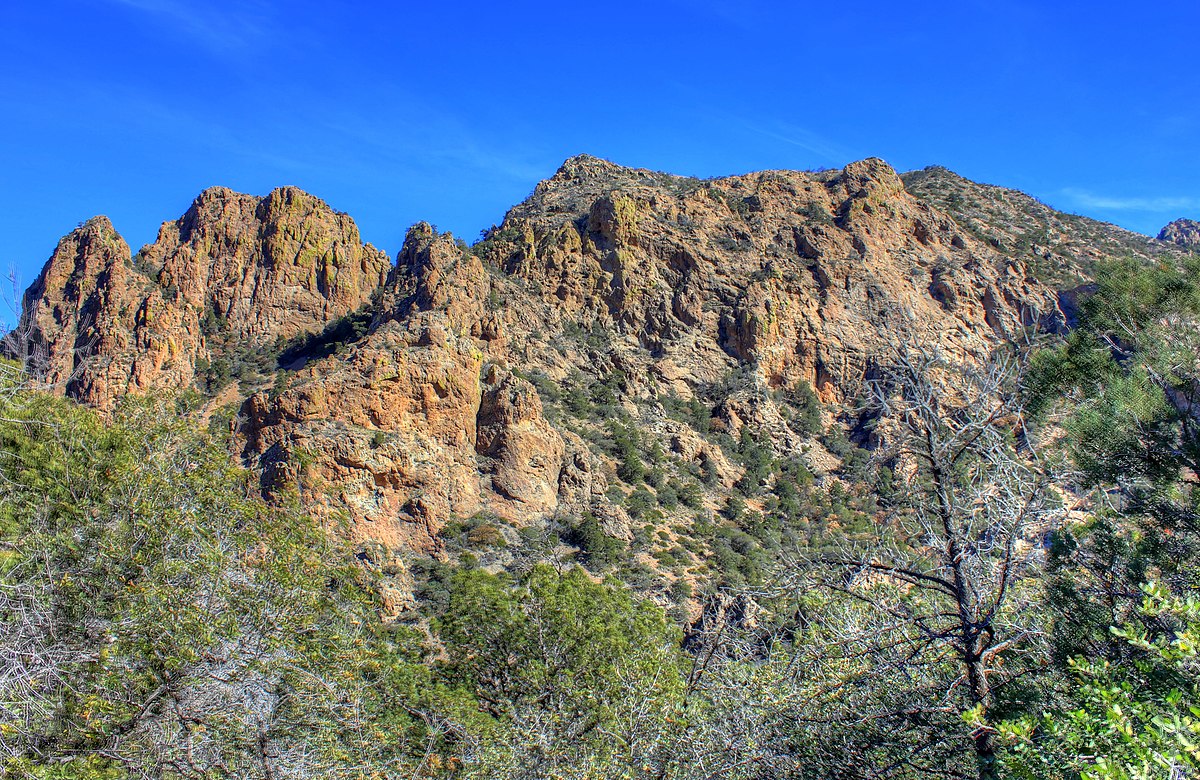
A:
x: 235, y: 275
x: 384, y: 436
x: 412, y: 426
x: 526, y: 454
x: 806, y: 276
x: 1182, y: 232
x: 640, y: 284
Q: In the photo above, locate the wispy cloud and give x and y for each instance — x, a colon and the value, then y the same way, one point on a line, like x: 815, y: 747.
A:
x: 432, y: 140
x: 741, y: 126
x: 803, y: 138
x: 216, y: 26
x: 398, y: 129
x: 1090, y: 200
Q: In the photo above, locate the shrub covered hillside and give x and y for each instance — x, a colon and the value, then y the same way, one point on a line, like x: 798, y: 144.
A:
x: 784, y: 476
x: 161, y: 620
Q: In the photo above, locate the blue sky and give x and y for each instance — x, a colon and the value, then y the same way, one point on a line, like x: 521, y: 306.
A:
x: 451, y: 112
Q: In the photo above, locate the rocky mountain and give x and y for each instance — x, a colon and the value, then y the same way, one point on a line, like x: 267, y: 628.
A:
x: 597, y: 355
x: 234, y: 275
x: 1184, y: 232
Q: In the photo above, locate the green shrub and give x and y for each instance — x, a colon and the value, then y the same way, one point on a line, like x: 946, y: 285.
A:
x: 597, y: 547
x: 557, y: 642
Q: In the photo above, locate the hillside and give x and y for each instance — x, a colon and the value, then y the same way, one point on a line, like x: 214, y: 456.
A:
x: 1063, y: 249
x: 754, y: 477
x: 608, y: 352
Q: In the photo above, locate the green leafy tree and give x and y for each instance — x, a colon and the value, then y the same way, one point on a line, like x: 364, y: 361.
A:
x: 159, y: 620
x: 1124, y: 388
x: 627, y: 449
x: 1133, y: 721
x: 579, y: 673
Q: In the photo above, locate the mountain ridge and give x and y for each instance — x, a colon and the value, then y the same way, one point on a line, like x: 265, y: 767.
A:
x: 616, y: 315
x: 235, y: 272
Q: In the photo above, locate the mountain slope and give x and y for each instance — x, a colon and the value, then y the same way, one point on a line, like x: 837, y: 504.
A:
x: 1064, y: 249
x: 597, y: 356
x: 641, y: 292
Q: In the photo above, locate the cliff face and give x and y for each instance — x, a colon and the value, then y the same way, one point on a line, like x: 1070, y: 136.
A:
x: 508, y: 379
x: 81, y: 313
x: 234, y: 275
x: 802, y: 275
x: 421, y: 420
x: 653, y: 286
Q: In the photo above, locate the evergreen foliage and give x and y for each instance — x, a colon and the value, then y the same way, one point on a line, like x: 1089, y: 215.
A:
x: 1124, y: 583
x: 159, y: 620
x: 578, y: 672
x: 923, y: 612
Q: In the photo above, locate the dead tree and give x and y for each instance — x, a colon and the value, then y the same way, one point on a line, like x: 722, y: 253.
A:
x: 950, y: 578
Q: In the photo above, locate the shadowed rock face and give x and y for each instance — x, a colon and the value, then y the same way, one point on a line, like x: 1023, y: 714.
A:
x: 235, y: 274
x: 420, y: 421
x: 637, y: 286
x: 1183, y: 232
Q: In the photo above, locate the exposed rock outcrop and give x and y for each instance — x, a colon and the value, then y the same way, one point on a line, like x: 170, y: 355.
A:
x: 498, y: 378
x: 91, y: 318
x: 1183, y: 232
x: 802, y: 275
x: 384, y: 436
x: 413, y: 425
x: 526, y: 453
x: 233, y: 275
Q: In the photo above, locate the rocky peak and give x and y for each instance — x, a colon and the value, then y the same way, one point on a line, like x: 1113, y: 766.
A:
x: 434, y: 272
x: 98, y: 227
x: 212, y: 209
x: 266, y: 267
x: 872, y: 176
x: 1183, y: 232
x: 802, y: 274
x: 425, y: 251
x: 84, y: 260
x: 67, y: 312
x: 588, y: 176
x: 232, y: 276
x: 493, y: 378
x: 584, y: 166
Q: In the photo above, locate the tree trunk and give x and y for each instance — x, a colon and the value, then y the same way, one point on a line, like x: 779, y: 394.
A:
x: 984, y: 735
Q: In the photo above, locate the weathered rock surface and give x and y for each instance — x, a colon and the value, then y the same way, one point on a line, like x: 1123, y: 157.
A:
x: 89, y: 318
x: 235, y: 274
x: 526, y: 453
x: 414, y: 424
x: 384, y: 436
x: 495, y: 378
x: 654, y: 284
x: 804, y: 276
x: 1183, y: 232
